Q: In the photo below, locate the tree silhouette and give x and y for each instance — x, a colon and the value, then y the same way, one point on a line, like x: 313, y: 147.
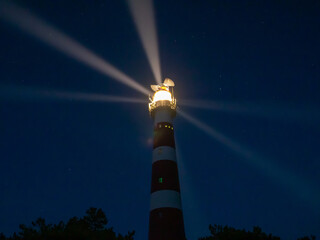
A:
x: 312, y: 237
x: 218, y: 232
x: 96, y: 219
x: 92, y: 226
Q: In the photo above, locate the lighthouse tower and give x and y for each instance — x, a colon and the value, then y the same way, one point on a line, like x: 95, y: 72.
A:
x: 165, y: 219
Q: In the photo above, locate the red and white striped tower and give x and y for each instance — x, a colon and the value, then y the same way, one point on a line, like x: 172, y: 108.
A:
x: 165, y: 219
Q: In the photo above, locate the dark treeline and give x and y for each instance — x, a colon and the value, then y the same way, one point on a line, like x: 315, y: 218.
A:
x: 93, y: 226
x: 219, y: 232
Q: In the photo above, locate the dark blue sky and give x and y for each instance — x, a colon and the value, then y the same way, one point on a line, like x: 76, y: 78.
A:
x: 58, y: 158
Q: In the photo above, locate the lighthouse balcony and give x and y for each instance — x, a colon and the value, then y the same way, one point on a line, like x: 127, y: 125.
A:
x: 162, y: 103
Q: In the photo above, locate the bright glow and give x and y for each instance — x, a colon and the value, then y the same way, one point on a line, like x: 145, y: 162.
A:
x: 18, y: 92
x: 303, y: 189
x: 162, y: 98
x: 53, y: 37
x: 162, y: 95
x: 143, y: 15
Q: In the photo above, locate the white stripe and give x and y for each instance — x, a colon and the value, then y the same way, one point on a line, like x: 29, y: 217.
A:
x: 162, y: 115
x: 164, y: 153
x: 165, y: 199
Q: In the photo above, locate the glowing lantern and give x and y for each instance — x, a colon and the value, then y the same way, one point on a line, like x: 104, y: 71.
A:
x: 162, y: 97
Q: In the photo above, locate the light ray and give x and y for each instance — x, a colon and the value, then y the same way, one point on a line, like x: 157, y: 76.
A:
x: 279, y: 111
x: 142, y: 12
x: 192, y: 207
x: 303, y: 189
x: 14, y: 92
x: 24, y: 20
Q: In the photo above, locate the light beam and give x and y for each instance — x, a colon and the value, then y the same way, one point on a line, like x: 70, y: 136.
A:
x: 279, y: 111
x: 303, y: 189
x: 15, y: 92
x: 24, y: 20
x: 143, y: 15
x: 192, y: 207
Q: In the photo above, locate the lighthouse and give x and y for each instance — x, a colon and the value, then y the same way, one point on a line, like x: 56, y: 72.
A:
x: 165, y: 218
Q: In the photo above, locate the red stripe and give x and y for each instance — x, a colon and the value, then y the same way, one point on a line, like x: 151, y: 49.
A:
x: 165, y: 176
x: 166, y: 224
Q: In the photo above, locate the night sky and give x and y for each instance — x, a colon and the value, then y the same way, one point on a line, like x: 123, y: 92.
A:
x: 60, y: 157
